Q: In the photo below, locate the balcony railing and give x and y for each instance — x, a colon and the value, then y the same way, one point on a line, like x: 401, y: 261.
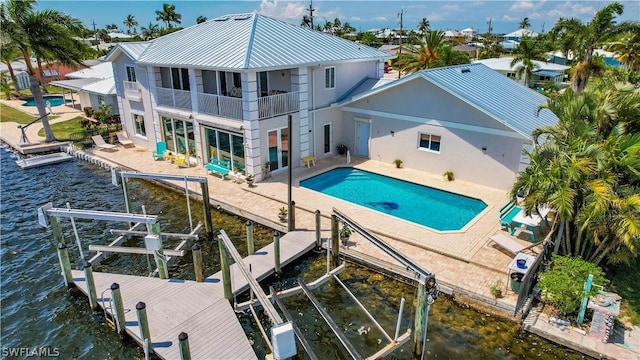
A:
x: 278, y: 104
x: 132, y: 90
x: 179, y: 99
x: 218, y: 105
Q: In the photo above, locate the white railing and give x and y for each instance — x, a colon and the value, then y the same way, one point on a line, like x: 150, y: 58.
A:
x: 132, y: 90
x: 218, y: 105
x: 180, y: 99
x: 278, y: 104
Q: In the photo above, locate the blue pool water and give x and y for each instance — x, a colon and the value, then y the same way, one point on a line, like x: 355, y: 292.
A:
x: 437, y: 209
x: 54, y: 100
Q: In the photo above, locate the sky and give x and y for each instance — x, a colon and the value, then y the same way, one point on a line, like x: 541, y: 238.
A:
x: 362, y: 15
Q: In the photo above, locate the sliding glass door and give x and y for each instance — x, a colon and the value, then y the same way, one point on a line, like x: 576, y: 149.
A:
x: 278, y: 148
x: 221, y: 145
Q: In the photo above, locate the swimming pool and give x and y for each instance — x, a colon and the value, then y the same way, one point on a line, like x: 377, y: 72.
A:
x: 433, y: 208
x: 55, y: 100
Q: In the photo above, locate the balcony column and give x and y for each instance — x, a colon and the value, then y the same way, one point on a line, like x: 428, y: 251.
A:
x: 251, y: 124
x: 195, y: 81
x: 154, y: 80
x: 299, y: 83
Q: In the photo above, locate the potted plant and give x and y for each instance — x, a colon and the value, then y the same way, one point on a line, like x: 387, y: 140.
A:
x: 249, y: 180
x: 344, y: 234
x: 282, y: 214
x: 449, y: 175
x: 398, y: 163
x: 496, y: 289
x: 342, y: 149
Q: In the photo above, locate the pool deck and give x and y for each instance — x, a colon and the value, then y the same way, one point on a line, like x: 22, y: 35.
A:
x: 462, y: 260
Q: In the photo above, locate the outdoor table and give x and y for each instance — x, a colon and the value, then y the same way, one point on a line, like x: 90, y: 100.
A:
x: 532, y: 221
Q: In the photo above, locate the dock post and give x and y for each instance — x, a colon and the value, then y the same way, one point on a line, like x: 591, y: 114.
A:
x: 208, y: 224
x: 335, y: 241
x: 91, y: 285
x: 250, y: 240
x: 197, y: 262
x: 420, y: 321
x: 183, y: 343
x: 118, y: 310
x: 292, y: 216
x: 226, y: 272
x: 158, y: 254
x: 276, y: 252
x: 63, y: 256
x: 318, y: 238
x: 143, y: 322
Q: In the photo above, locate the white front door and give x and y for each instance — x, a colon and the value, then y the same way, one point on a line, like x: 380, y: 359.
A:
x: 362, y: 138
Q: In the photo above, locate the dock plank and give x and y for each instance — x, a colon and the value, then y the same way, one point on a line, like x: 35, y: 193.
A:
x: 199, y: 309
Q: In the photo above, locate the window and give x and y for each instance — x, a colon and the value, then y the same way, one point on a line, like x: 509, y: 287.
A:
x: 429, y: 142
x: 138, y: 122
x: 511, y: 75
x: 330, y: 77
x: 180, y: 78
x: 131, y: 73
x: 327, y: 138
x: 100, y: 99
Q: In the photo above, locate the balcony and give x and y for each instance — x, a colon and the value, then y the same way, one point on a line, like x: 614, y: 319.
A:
x: 278, y: 104
x: 179, y: 99
x: 218, y: 105
x: 132, y: 90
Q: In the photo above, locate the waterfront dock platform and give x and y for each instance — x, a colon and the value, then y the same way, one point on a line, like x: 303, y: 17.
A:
x: 198, y: 309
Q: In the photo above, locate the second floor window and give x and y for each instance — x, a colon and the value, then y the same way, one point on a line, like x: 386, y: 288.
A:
x: 180, y: 78
x: 131, y: 73
x: 330, y: 77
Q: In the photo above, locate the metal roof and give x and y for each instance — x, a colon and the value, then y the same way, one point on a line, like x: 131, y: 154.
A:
x: 102, y: 70
x: 363, y: 86
x: 92, y: 85
x: 547, y: 73
x: 505, y: 100
x: 132, y: 49
x: 252, y: 41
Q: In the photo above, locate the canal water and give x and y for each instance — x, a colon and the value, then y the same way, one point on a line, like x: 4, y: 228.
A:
x: 38, y: 312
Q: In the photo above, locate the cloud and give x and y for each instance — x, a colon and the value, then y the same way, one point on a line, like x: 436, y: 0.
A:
x: 379, y: 18
x: 355, y: 18
x: 508, y: 18
x: 570, y: 9
x: 450, y: 8
x: 521, y: 5
x: 283, y: 10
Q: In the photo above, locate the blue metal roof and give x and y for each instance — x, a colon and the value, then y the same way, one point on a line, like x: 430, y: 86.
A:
x: 505, y: 100
x: 252, y: 41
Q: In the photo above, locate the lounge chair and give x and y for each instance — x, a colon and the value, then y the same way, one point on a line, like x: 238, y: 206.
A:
x: 99, y: 141
x: 123, y: 139
x: 509, y: 244
x: 161, y: 149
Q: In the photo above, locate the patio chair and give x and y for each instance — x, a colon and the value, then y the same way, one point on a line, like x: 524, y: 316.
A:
x: 123, y: 139
x: 99, y: 141
x: 160, y: 151
x: 509, y: 244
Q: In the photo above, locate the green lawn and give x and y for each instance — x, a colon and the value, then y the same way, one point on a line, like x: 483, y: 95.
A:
x: 63, y: 130
x: 627, y: 284
x: 7, y: 113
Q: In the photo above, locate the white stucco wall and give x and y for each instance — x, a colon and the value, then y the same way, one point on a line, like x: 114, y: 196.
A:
x: 400, y: 114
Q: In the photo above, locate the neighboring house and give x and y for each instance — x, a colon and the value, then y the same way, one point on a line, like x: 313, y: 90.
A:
x: 558, y: 57
x: 519, y: 34
x: 545, y: 71
x: 225, y: 88
x: 470, y: 49
x: 454, y: 37
x: 469, y: 34
x: 94, y: 85
x: 467, y: 118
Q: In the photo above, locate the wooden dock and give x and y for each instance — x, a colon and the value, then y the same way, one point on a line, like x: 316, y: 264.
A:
x: 198, y: 309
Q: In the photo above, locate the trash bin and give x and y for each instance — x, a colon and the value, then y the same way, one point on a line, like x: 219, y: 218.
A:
x: 516, y: 279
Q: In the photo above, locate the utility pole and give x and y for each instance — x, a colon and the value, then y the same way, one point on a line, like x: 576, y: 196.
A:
x: 311, y: 10
x: 400, y: 14
x: 95, y: 34
x: 490, y: 28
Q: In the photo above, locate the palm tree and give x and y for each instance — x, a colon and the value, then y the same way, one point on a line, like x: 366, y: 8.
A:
x: 590, y: 36
x: 427, y: 55
x: 168, y: 14
x: 130, y: 22
x: 47, y: 32
x: 525, y: 23
x: 587, y: 169
x: 200, y: 19
x: 524, y: 54
x: 149, y: 32
x: 627, y: 50
x: 328, y: 27
x: 424, y: 27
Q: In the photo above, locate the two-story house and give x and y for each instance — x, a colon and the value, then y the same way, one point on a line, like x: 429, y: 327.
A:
x: 224, y: 89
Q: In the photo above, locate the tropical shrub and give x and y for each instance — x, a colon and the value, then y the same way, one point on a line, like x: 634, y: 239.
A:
x: 562, y: 285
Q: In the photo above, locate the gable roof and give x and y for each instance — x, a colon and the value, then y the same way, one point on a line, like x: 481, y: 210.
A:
x: 252, y: 41
x: 131, y: 49
x: 521, y: 33
x: 505, y: 100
